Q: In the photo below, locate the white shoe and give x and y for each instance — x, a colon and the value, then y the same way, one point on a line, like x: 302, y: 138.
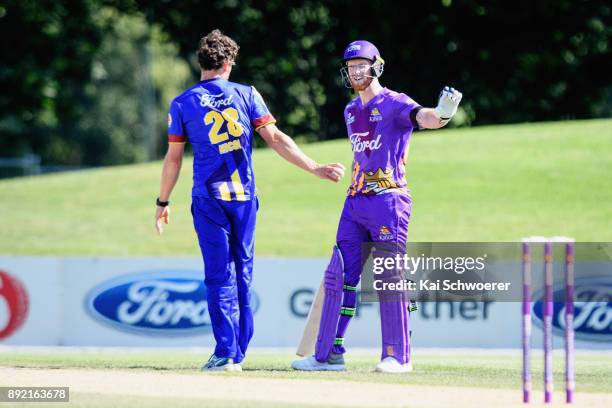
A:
x: 311, y: 364
x: 391, y: 365
x: 215, y: 363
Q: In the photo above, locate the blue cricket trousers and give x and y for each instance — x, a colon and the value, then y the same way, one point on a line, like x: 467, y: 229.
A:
x: 226, y: 234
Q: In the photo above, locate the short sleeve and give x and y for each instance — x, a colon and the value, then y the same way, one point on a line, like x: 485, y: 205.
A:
x: 260, y: 115
x: 176, y: 132
x: 406, y: 110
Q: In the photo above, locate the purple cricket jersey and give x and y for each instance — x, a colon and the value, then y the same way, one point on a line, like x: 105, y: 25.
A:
x: 379, y: 133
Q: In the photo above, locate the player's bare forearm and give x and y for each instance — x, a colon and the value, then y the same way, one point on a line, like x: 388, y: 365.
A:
x: 428, y: 119
x: 171, y: 170
x: 170, y: 174
x: 289, y: 150
x: 435, y: 118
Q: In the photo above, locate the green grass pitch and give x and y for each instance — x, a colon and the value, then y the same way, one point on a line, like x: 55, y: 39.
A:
x: 467, y: 368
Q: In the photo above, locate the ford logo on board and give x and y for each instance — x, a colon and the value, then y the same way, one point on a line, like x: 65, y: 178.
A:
x: 592, y: 309
x: 162, y: 303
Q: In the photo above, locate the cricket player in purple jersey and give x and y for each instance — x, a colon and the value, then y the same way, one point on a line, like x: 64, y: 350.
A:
x: 219, y: 118
x: 377, y: 209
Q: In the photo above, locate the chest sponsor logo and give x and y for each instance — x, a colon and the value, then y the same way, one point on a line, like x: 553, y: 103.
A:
x: 361, y: 143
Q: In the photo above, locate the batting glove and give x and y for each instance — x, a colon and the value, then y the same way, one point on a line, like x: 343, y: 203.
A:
x: 447, y: 104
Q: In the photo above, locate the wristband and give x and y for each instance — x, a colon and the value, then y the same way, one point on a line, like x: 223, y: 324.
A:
x: 161, y: 203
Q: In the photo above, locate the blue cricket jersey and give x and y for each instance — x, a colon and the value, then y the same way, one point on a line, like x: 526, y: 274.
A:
x: 218, y: 118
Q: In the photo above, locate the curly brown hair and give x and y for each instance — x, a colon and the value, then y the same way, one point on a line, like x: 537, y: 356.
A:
x: 216, y: 49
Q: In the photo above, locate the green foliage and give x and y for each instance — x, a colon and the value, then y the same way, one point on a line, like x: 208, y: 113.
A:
x: 91, y: 81
x: 88, y: 85
x: 47, y: 49
x: 282, y: 52
x: 135, y: 73
x: 514, y: 62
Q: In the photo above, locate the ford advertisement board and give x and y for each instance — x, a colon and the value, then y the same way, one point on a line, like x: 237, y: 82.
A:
x: 164, y: 303
x: 592, y: 309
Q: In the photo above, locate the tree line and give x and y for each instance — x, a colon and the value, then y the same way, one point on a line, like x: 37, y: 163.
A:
x: 89, y: 82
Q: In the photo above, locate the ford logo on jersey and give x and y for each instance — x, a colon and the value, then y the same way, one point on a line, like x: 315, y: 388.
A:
x: 592, y: 309
x: 162, y: 303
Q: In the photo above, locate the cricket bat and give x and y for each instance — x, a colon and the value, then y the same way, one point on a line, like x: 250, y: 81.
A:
x: 311, y: 330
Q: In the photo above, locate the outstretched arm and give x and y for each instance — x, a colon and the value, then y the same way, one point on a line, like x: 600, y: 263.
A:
x: 435, y: 118
x: 288, y: 150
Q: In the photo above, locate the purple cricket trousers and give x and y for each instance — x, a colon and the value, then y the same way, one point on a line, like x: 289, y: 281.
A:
x: 382, y: 218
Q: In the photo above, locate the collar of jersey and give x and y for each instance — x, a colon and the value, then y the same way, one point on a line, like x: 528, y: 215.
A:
x: 211, y: 79
x: 374, y: 100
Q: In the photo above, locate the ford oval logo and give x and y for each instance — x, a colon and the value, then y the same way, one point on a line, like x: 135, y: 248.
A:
x: 162, y: 303
x: 592, y: 309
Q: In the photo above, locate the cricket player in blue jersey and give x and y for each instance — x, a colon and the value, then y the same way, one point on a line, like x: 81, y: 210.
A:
x: 218, y: 118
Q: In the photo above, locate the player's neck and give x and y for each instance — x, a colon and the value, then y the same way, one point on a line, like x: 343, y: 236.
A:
x: 370, y: 92
x: 210, y: 74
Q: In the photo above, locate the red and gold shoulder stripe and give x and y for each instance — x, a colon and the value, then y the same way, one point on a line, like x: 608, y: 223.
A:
x: 176, y: 139
x: 263, y: 121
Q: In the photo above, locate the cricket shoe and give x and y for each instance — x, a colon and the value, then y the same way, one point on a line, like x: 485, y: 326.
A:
x: 215, y: 363
x: 391, y: 365
x: 334, y: 363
